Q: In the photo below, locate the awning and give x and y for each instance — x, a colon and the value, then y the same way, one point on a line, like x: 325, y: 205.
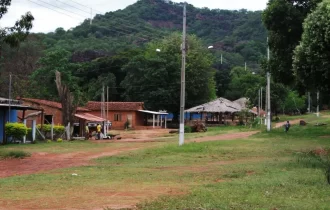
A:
x: 90, y: 117
x: 152, y: 112
x: 18, y: 107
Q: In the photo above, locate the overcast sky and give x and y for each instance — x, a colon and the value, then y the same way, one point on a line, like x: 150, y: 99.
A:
x: 70, y: 13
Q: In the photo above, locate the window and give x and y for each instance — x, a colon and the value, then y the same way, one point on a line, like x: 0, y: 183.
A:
x: 48, y: 119
x: 117, y: 117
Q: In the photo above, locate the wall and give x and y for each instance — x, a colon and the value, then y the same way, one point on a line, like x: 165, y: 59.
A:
x: 4, y: 119
x: 57, y: 113
x: 136, y: 119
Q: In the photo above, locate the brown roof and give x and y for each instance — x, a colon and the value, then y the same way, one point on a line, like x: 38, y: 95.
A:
x: 115, y: 106
x: 53, y: 104
x: 90, y: 117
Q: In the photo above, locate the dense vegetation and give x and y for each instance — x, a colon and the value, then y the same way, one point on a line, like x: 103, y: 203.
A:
x: 106, y: 53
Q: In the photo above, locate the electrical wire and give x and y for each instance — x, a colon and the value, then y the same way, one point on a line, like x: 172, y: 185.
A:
x: 61, y: 8
x: 52, y: 9
x: 72, y: 6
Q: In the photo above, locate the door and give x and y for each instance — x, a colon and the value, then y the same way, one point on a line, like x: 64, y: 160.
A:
x: 130, y: 120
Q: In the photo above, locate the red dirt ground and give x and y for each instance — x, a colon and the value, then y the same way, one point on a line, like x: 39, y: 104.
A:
x: 41, y: 162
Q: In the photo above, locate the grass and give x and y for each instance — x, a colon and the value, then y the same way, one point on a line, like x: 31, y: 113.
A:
x: 13, y: 154
x: 262, y: 172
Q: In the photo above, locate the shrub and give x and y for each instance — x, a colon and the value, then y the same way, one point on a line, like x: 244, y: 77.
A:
x: 59, y: 140
x: 58, y: 129
x: 188, y: 129
x: 15, y: 154
x: 16, y: 130
x: 49, y: 141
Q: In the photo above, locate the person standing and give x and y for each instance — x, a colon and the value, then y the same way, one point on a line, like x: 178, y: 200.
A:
x: 98, y: 130
x: 287, y: 126
x: 86, y: 132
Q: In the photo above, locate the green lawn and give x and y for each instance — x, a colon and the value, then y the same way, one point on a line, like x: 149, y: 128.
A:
x: 261, y: 172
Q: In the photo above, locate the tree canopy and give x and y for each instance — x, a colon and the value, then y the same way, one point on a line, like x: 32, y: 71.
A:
x: 311, y: 57
x: 154, y: 77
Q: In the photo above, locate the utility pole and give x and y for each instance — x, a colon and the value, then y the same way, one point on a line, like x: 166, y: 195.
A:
x: 107, y: 110
x: 259, y: 97
x: 309, y: 102
x: 9, y: 98
x: 268, y: 121
x: 183, y: 77
x: 245, y: 66
x: 91, y: 21
x: 268, y: 103
x: 318, y: 104
x: 221, y: 58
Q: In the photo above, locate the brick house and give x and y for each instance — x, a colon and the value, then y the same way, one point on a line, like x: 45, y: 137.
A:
x: 120, y: 112
x: 51, y: 110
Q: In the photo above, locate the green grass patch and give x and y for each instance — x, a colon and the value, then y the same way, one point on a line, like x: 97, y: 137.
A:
x: 14, y: 154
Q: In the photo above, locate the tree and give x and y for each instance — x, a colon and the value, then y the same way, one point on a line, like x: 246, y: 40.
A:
x: 311, y: 57
x: 42, y: 79
x: 154, y: 77
x: 283, y: 20
x: 16, y: 34
x: 294, y: 103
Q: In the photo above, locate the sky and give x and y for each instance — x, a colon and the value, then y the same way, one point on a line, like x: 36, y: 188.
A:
x: 51, y: 14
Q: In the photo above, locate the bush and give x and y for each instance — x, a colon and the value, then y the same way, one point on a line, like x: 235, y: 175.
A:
x: 16, y: 130
x: 58, y: 129
x: 15, y: 154
x: 49, y: 141
x: 188, y: 129
x: 59, y: 140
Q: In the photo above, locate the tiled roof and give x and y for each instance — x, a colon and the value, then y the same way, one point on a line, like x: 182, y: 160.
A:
x: 53, y: 104
x: 115, y: 106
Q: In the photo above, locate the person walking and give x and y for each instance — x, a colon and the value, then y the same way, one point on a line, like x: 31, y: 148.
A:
x: 287, y: 126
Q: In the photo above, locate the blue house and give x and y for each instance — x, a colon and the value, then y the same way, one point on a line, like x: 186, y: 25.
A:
x: 8, y: 113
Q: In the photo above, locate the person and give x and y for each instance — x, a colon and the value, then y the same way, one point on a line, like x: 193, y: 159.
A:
x: 287, y: 126
x: 86, y: 132
x: 98, y: 130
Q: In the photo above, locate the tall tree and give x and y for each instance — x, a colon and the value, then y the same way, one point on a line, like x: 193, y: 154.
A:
x: 311, y: 58
x: 283, y: 20
x: 16, y: 34
x: 154, y: 77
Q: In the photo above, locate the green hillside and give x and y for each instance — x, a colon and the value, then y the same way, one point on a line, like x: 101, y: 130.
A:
x: 239, y: 34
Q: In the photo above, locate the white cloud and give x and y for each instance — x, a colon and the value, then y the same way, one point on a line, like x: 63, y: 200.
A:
x: 47, y: 20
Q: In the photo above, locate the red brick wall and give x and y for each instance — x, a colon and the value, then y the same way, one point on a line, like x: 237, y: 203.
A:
x: 136, y: 119
x: 57, y: 113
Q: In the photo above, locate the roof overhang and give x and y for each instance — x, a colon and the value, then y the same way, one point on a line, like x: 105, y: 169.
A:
x: 152, y: 112
x: 18, y: 107
x: 90, y: 117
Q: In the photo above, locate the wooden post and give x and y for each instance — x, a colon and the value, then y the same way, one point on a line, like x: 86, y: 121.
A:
x: 24, y: 122
x: 52, y: 129
x: 153, y: 121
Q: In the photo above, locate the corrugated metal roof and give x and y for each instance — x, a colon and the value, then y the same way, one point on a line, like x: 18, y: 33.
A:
x: 90, y: 117
x: 152, y: 112
x: 217, y: 106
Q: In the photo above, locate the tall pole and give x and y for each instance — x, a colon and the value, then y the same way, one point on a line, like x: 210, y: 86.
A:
x: 9, y: 97
x: 268, y: 103
x: 91, y: 21
x: 221, y: 58
x: 309, y: 102
x: 318, y: 104
x: 259, y: 97
x: 183, y: 69
x: 245, y: 66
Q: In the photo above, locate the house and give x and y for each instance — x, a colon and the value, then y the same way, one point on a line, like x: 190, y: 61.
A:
x: 52, y: 111
x: 9, y: 113
x: 118, y: 113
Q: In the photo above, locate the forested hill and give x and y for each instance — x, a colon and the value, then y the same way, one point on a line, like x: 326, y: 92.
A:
x: 240, y: 34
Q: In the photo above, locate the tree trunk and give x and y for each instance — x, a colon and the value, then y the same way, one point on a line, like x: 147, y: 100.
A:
x: 67, y: 101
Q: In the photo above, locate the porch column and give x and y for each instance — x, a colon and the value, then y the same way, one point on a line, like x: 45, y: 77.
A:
x: 161, y: 121
x: 52, y: 129
x: 165, y: 121
x: 158, y: 120
x: 34, y: 127
x: 153, y: 121
x: 24, y: 137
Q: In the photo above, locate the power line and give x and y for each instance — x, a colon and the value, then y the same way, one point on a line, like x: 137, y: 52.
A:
x: 72, y: 6
x: 62, y: 9
x: 84, y: 5
x: 52, y: 9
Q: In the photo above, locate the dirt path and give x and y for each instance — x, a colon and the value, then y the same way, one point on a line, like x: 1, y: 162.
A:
x: 40, y: 162
x: 292, y: 122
